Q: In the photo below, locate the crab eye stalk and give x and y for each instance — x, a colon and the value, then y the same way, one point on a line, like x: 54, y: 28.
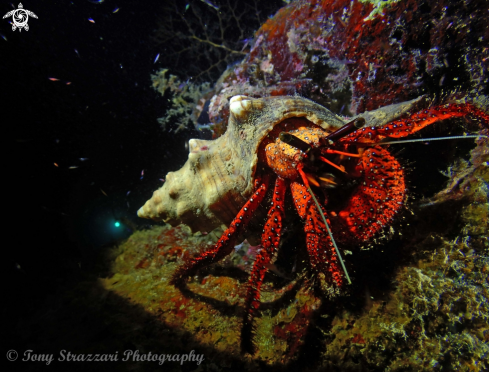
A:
x: 345, y: 130
x: 294, y: 141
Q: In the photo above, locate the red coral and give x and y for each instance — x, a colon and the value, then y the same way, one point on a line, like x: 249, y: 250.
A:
x: 294, y: 332
x: 352, y: 59
x: 358, y: 339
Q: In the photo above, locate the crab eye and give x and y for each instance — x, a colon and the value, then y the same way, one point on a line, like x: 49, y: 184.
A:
x: 294, y: 141
x: 346, y: 129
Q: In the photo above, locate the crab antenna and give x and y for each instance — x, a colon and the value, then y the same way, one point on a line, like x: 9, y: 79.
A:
x: 433, y: 139
x: 330, y: 234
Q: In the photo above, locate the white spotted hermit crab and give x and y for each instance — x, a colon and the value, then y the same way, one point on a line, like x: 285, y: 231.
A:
x: 290, y: 147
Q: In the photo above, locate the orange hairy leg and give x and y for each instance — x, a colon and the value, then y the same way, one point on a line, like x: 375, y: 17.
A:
x: 322, y: 253
x: 227, y: 241
x: 269, y: 241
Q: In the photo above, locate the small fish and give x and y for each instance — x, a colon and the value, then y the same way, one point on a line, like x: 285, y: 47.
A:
x: 246, y: 42
x: 78, y: 54
x: 83, y: 159
x: 441, y: 80
x: 103, y: 192
x: 91, y: 20
x: 142, y: 174
x: 157, y: 57
x: 187, y: 6
x: 128, y: 192
x: 96, y: 1
x: 73, y: 167
x: 162, y: 180
x: 115, y: 10
x: 4, y: 37
x: 53, y: 79
x: 68, y: 83
x: 210, y: 4
x: 56, y: 165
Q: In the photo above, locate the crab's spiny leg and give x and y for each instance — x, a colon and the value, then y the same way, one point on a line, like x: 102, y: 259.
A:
x: 269, y: 240
x: 302, y: 199
x: 227, y: 241
x: 381, y: 194
x: 320, y: 246
x: 330, y: 234
x: 406, y: 126
x: 326, y: 225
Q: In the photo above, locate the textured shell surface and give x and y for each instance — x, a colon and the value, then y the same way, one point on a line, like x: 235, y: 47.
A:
x: 217, y: 179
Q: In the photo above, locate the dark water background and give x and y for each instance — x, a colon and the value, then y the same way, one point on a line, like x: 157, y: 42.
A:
x: 99, y: 118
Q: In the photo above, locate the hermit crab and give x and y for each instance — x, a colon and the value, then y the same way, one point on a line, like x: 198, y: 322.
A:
x: 290, y: 147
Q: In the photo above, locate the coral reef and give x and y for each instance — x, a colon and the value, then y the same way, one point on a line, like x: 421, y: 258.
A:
x: 354, y: 56
x: 187, y: 100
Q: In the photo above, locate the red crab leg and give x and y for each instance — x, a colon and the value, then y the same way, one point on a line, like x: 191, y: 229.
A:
x: 321, y: 250
x: 227, y: 241
x: 322, y: 215
x: 412, y: 124
x: 269, y: 241
x: 377, y: 200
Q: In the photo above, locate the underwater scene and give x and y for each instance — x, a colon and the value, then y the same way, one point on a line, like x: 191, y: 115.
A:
x: 250, y: 185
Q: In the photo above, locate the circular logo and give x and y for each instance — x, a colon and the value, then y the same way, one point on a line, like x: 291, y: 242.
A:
x: 20, y: 18
x: 12, y: 355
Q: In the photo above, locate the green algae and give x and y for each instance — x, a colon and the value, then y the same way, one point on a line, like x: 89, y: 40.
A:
x: 378, y: 7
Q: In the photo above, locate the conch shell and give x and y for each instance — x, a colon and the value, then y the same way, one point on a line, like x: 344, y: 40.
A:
x: 217, y: 179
